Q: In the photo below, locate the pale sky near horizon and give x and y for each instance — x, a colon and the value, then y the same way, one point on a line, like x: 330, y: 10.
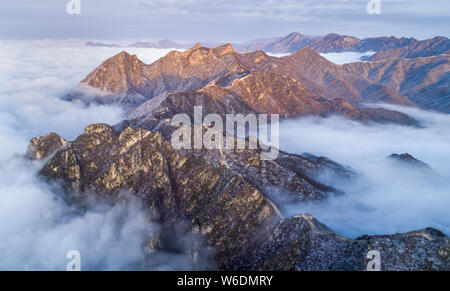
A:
x: 220, y: 20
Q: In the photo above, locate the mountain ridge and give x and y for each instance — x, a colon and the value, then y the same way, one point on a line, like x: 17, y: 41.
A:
x: 221, y: 198
x: 385, y: 47
x: 199, y: 66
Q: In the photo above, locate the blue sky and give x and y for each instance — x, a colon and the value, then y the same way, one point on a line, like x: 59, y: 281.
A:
x: 220, y: 20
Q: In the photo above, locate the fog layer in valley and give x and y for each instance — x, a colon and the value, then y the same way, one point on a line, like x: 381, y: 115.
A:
x: 346, y: 57
x: 37, y: 228
x: 338, y: 58
x: 388, y: 196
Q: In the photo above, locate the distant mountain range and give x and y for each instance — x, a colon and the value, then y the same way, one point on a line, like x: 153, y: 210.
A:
x: 385, y: 47
x: 391, y: 46
x: 161, y: 44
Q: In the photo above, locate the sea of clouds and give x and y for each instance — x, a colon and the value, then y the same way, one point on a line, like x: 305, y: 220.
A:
x: 37, y: 228
x: 387, y: 197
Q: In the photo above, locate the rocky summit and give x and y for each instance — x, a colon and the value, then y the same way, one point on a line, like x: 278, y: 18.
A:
x: 409, y: 160
x: 229, y: 198
x: 386, y: 47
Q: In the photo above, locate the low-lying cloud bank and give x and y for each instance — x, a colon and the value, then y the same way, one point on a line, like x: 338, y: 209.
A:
x: 37, y: 228
x: 338, y: 58
x: 346, y: 57
x: 387, y: 197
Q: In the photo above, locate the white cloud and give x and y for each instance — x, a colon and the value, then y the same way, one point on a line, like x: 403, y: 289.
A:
x: 346, y: 57
x: 280, y: 9
x: 37, y: 228
x: 387, y: 197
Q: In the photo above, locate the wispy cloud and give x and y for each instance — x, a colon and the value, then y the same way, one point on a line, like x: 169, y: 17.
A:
x: 280, y: 9
x: 292, y: 8
x: 37, y: 227
x: 197, y: 20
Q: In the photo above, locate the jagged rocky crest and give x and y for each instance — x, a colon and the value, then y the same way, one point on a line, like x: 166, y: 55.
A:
x: 386, y: 47
x: 303, y: 83
x: 223, y: 195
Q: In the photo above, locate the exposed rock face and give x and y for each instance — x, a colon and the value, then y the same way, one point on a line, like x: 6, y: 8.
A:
x: 291, y: 43
x: 409, y: 160
x: 256, y: 93
x: 427, y: 48
x: 425, y: 81
x: 119, y: 80
x: 43, y: 147
x: 334, y: 43
x: 330, y: 80
x: 232, y: 197
x: 384, y: 43
x: 215, y: 200
x: 303, y: 243
x: 222, y: 194
x: 386, y: 47
x: 126, y: 76
x: 303, y: 83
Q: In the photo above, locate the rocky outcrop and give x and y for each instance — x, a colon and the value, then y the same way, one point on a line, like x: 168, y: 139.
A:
x: 416, y: 49
x: 302, y: 243
x: 42, y: 147
x: 257, y: 93
x: 300, y: 84
x: 425, y: 81
x: 331, y: 81
x: 407, y: 159
x: 126, y: 77
x: 334, y: 43
x: 224, y: 196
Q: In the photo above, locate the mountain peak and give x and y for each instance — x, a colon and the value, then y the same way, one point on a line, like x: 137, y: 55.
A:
x: 123, y: 56
x: 219, y: 51
x: 307, y: 50
x: 121, y: 59
x: 224, y: 49
x: 116, y: 74
x: 295, y: 35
